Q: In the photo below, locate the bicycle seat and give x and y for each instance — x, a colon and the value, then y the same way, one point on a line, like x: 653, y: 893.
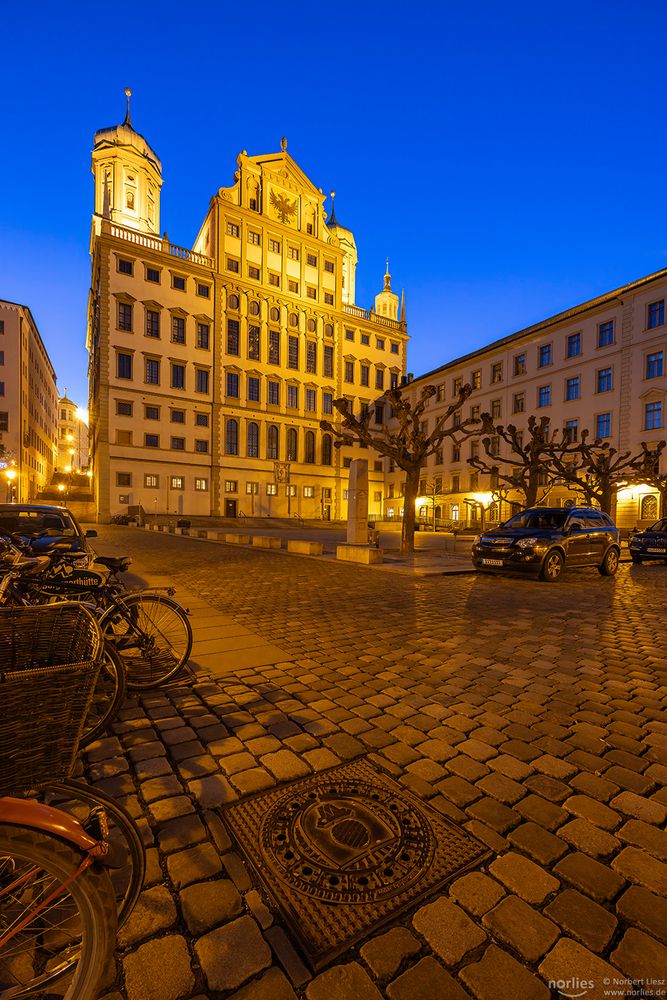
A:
x: 116, y: 565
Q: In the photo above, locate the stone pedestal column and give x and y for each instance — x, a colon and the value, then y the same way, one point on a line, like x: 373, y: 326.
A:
x: 357, y: 503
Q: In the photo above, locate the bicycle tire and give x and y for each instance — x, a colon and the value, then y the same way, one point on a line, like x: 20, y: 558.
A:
x: 128, y: 881
x: 108, y: 696
x: 152, y: 635
x: 88, y: 902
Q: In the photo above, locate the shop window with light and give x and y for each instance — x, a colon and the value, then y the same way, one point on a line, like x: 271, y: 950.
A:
x: 309, y: 492
x: 271, y: 489
x: 231, y: 486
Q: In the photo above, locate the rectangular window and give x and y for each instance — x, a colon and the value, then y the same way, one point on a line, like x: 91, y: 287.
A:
x: 152, y: 274
x: 290, y: 490
x: 233, y: 229
x: 151, y: 440
x: 233, y: 385
x: 253, y: 389
x: 252, y: 488
x: 152, y: 376
x: 125, y: 267
x: 328, y: 361
x: 274, y: 279
x: 349, y: 334
x: 151, y: 412
x: 311, y: 259
x: 349, y: 371
x: 201, y: 380
x: 271, y: 489
x: 458, y: 385
x: 124, y: 316
x: 177, y: 482
x: 365, y: 339
x: 178, y: 416
x: 329, y: 266
x: 652, y: 416
x: 201, y: 485
x: 364, y: 375
x: 572, y: 386
x: 178, y: 329
x: 253, y: 343
x: 496, y: 408
x: 274, y: 347
x: 293, y: 397
x: 309, y: 492
x: 274, y: 246
x: 311, y: 357
x: 293, y: 253
x: 311, y: 400
x: 203, y: 290
x: 274, y: 393
x: 574, y: 345
x: 606, y: 334
x: 476, y: 379
x: 252, y: 204
x: 123, y: 479
x: 456, y: 483
x: 254, y: 238
x: 328, y: 298
x: 253, y: 272
x: 203, y: 335
x: 201, y: 419
x: 151, y: 481
x: 311, y: 292
x: 201, y: 445
x: 379, y: 413
x: 233, y: 265
x: 571, y: 431
x: 519, y: 364
x: 178, y: 376
x: 152, y: 323
x: 293, y: 353
x: 178, y: 282
x: 496, y: 373
x: 544, y: 356
x: 232, y: 336
x: 379, y: 343
x: 178, y: 444
x: 604, y: 380
x: 123, y: 409
x: 293, y: 286
x: 656, y: 314
x: 544, y: 395
x: 603, y: 425
x: 379, y: 378
x: 327, y: 402
x: 123, y: 365
x: 654, y: 366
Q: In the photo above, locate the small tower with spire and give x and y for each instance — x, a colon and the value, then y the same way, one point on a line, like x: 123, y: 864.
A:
x: 386, y: 303
x: 128, y: 176
x: 349, y: 247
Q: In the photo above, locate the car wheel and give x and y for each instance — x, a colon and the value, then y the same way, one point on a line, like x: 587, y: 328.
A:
x: 552, y: 567
x: 609, y: 564
x: 637, y: 559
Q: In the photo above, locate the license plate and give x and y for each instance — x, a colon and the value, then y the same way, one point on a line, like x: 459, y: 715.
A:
x: 661, y: 551
x: 492, y: 562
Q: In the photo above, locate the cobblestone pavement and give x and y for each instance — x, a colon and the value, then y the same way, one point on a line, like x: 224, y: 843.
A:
x: 530, y: 714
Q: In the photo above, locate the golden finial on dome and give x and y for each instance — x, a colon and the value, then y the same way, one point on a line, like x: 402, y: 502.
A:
x: 128, y: 95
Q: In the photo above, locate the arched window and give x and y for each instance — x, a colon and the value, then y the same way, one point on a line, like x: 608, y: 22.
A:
x: 312, y: 326
x: 309, y: 445
x: 493, y: 512
x: 232, y: 437
x: 252, y: 450
x: 648, y: 510
x: 326, y: 449
x: 438, y: 513
x: 292, y: 442
x: 274, y: 315
x: 253, y: 308
x: 233, y: 302
x: 455, y: 512
x: 272, y: 442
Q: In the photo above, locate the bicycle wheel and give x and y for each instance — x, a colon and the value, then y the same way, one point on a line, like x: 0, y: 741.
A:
x: 74, y: 934
x: 107, y: 698
x: 152, y: 635
x: 78, y: 799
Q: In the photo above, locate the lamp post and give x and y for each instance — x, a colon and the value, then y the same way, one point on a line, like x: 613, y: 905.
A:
x: 62, y: 490
x: 10, y: 476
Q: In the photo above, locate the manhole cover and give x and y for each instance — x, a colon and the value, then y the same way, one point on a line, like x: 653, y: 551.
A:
x: 346, y: 850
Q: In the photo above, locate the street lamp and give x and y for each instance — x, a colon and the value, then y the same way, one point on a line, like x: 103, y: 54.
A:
x: 10, y: 475
x: 61, y: 489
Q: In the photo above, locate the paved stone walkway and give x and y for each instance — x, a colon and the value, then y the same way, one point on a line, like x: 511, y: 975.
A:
x: 532, y: 715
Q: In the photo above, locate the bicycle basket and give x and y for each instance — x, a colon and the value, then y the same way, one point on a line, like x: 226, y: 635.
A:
x: 50, y: 661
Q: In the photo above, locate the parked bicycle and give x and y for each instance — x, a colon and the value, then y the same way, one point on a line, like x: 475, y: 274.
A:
x: 59, y: 907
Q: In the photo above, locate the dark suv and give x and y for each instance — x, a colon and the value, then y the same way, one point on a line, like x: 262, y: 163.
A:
x: 542, y: 540
x: 59, y: 523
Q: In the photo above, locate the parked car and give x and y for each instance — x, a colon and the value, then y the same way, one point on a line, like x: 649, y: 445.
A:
x: 545, y: 540
x: 61, y: 525
x: 651, y: 543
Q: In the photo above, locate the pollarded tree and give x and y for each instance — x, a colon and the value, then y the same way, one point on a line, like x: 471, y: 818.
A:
x: 647, y: 470
x: 524, y: 463
x: 404, y: 439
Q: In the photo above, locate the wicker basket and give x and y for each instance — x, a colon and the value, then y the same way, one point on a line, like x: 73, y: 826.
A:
x: 49, y: 662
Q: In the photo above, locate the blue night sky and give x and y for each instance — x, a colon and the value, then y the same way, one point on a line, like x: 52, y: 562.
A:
x: 508, y: 158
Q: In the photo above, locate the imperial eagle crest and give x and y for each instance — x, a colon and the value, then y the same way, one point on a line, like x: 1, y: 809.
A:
x: 283, y: 207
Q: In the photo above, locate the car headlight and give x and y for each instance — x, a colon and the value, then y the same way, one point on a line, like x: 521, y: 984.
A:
x: 477, y: 539
x: 527, y: 543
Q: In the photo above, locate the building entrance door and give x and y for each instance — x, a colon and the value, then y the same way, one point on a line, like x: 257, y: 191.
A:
x: 326, y: 512
x: 230, y: 508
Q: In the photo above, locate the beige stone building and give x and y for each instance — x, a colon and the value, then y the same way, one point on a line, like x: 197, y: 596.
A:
x: 211, y: 368
x: 28, y: 406
x: 72, y: 437
x: 599, y: 366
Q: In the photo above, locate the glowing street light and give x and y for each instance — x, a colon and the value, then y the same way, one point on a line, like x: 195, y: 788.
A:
x: 10, y: 475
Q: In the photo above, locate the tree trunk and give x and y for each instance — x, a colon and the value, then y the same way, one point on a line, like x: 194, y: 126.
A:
x: 411, y: 494
x: 531, y: 488
x: 608, y: 498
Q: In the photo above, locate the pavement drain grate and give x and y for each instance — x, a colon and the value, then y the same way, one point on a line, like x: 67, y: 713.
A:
x: 343, y: 851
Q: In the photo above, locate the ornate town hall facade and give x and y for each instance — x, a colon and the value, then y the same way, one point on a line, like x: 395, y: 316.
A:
x: 211, y: 368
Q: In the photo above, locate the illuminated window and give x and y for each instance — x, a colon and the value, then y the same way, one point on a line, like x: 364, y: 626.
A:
x: 254, y: 237
x: 233, y: 229
x: 201, y: 485
x: 274, y: 245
